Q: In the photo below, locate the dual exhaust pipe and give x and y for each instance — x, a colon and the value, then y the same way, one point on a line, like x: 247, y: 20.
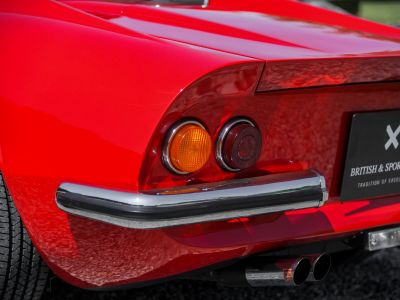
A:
x: 263, y: 271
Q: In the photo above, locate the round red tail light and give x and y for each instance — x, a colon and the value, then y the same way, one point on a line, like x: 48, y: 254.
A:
x: 239, y: 145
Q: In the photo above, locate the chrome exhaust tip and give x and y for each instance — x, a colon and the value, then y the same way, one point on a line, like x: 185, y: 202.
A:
x: 320, y: 266
x: 282, y: 272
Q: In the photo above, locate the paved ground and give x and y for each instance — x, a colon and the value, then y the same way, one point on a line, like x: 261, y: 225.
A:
x: 378, y: 277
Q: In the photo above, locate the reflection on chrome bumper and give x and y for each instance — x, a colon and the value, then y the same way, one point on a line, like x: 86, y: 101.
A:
x: 195, y: 203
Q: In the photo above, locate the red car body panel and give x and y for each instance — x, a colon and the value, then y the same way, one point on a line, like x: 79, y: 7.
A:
x: 86, y: 100
x: 285, y: 39
x: 257, y: 33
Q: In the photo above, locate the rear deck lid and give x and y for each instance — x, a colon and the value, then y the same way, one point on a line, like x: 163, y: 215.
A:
x: 327, y: 49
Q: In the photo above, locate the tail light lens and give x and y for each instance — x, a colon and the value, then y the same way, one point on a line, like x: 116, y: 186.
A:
x: 187, y: 147
x: 239, y: 145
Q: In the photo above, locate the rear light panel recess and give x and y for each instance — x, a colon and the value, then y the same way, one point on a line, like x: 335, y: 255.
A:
x: 187, y: 146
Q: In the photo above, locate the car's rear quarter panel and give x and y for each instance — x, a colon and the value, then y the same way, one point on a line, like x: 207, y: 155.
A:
x: 77, y: 105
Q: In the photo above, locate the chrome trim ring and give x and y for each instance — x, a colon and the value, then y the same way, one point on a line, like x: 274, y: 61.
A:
x: 170, y: 135
x: 195, y: 203
x: 220, y: 142
x: 325, y: 193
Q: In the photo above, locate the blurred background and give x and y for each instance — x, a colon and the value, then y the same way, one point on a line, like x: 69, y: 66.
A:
x: 385, y: 11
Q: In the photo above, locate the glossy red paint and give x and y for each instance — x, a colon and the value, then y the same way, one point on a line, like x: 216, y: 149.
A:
x: 271, y: 30
x: 87, y: 101
x: 301, y: 52
x: 1, y: 159
x: 296, y: 10
x: 314, y: 130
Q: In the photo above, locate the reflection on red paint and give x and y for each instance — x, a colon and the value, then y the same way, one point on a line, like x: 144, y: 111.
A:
x: 238, y: 220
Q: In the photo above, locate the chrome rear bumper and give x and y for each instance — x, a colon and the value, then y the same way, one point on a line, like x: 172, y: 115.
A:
x: 195, y: 203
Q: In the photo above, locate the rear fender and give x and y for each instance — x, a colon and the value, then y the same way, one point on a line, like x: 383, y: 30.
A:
x: 1, y: 159
x: 90, y: 102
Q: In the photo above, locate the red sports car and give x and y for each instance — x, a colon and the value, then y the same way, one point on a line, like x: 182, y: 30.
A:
x: 247, y: 142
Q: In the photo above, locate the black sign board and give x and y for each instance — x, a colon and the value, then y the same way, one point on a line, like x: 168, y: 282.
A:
x: 372, y: 166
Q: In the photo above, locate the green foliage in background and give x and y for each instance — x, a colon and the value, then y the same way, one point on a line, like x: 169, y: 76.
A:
x: 381, y: 11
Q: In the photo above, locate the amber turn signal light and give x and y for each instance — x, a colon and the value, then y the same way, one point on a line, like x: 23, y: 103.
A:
x: 187, y: 147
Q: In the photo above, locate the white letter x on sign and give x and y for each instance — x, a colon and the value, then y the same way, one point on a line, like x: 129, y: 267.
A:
x: 392, y: 137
